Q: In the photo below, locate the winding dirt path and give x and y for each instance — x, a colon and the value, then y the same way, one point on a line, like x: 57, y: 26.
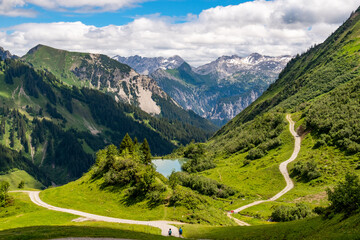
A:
x: 283, y: 170
x: 163, y: 225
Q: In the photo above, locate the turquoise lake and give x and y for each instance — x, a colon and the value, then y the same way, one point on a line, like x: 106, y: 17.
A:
x: 166, y: 166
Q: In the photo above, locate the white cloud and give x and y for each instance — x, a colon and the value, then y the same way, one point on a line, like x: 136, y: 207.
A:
x: 16, y: 8
x: 269, y: 27
x: 85, y: 5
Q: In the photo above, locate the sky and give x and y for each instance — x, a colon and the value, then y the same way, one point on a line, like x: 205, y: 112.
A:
x: 197, y: 30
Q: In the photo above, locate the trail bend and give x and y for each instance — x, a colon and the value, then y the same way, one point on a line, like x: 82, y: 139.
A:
x: 283, y: 170
x: 164, y: 226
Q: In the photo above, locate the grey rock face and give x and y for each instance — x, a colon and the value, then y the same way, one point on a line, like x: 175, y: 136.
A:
x: 146, y: 66
x: 218, y: 90
x: 4, y: 54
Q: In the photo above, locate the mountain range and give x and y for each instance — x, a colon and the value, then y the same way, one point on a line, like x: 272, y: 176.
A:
x: 58, y: 113
x: 218, y: 90
x: 146, y: 66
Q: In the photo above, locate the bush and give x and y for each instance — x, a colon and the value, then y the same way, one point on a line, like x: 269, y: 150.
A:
x: 198, y: 165
x: 185, y: 198
x: 255, y: 153
x: 306, y: 171
x: 246, y: 162
x: 21, y: 184
x: 203, y: 185
x: 4, y: 197
x: 291, y: 213
x: 346, y: 195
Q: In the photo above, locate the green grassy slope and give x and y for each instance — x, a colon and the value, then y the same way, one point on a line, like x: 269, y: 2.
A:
x: 25, y: 220
x: 316, y: 228
x: 16, y: 176
x: 63, y: 63
x: 114, y: 202
x: 321, y: 90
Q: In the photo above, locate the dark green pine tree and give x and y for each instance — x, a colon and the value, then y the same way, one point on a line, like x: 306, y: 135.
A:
x: 12, y: 138
x: 126, y: 143
x: 145, y: 148
x: 2, y: 127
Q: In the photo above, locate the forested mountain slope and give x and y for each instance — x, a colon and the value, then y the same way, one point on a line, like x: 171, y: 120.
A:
x: 100, y: 72
x: 321, y: 84
x: 58, y: 127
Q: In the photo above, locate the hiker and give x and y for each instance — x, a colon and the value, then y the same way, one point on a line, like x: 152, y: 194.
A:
x: 180, y: 231
x: 170, y: 232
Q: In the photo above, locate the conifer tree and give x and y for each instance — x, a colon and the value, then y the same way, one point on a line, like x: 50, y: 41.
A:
x: 126, y: 143
x: 145, y: 148
x: 12, y: 138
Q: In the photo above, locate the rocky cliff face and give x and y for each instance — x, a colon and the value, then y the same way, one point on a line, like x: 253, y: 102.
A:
x: 144, y: 65
x: 102, y: 73
x: 4, y: 54
x: 124, y: 83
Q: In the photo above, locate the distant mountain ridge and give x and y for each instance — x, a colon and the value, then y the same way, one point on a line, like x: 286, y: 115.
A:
x: 226, y: 66
x: 218, y: 90
x: 118, y: 80
x: 4, y: 54
x: 146, y: 66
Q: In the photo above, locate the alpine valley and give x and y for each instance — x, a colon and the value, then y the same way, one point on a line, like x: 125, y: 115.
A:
x: 218, y: 90
x: 57, y: 124
x: 288, y: 164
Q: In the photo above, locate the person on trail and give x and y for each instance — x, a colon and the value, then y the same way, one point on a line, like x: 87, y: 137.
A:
x: 180, y: 231
x: 170, y: 232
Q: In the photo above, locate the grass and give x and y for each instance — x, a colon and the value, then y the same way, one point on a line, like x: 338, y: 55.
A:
x: 16, y: 176
x: 25, y: 220
x: 315, y: 228
x: 114, y: 203
x: 47, y: 232
x: 110, y: 203
x: 261, y: 179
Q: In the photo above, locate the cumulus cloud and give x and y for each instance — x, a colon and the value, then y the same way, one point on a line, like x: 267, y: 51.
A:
x: 15, y: 8
x: 275, y: 27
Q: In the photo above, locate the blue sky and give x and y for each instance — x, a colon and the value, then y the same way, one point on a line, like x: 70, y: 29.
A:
x: 177, y: 9
x: 199, y: 30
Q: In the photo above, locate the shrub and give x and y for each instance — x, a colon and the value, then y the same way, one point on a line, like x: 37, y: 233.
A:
x: 21, y: 184
x: 186, y: 198
x: 4, y: 197
x: 346, y: 195
x: 255, y: 153
x: 306, y: 171
x: 203, y: 185
x: 319, y: 144
x: 290, y: 213
x: 198, y: 165
x: 246, y: 162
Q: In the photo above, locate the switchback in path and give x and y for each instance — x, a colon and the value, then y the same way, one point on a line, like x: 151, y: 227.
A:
x: 283, y: 170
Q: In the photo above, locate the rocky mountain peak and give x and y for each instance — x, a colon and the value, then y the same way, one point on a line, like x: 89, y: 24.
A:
x: 4, y: 54
x: 146, y: 66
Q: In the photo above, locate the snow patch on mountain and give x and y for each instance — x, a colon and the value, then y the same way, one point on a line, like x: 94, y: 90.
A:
x: 146, y: 66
